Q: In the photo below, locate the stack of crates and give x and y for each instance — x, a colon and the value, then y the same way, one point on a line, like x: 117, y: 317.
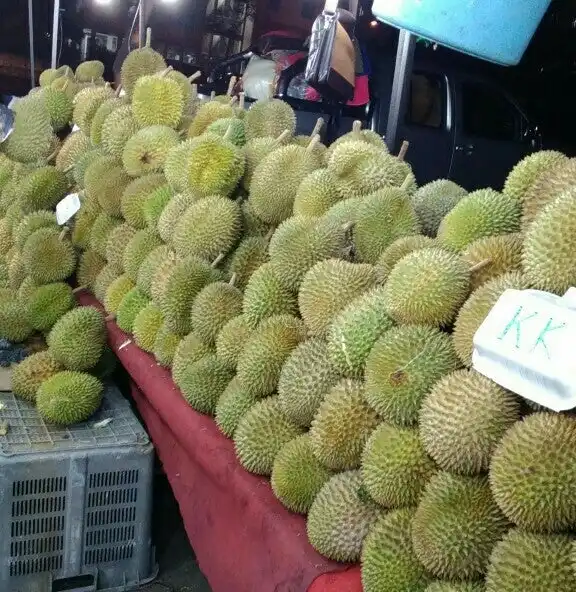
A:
x: 75, y: 503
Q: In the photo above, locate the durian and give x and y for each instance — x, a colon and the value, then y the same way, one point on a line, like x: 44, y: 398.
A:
x: 233, y: 404
x: 28, y: 375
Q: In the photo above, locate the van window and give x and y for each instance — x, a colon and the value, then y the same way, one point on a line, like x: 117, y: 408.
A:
x: 486, y: 113
x: 425, y: 106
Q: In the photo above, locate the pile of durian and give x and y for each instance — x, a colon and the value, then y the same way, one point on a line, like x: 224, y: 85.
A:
x: 318, y: 304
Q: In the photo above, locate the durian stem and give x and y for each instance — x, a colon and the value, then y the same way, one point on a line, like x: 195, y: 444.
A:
x: 271, y: 89
x: 283, y: 136
x: 348, y: 226
x: 228, y: 134
x: 313, y: 143
x: 218, y: 260
x: 212, y: 95
x: 406, y: 183
x: 357, y: 126
x: 194, y: 92
x: 110, y: 317
x: 233, y: 101
x: 63, y: 234
x: 79, y: 289
x: 318, y: 127
x: 269, y: 235
x: 68, y: 169
x: 233, y: 279
x: 403, y: 150
x: 231, y: 86
x: 148, y: 36
x: 480, y: 265
x: 166, y: 71
x: 242, y: 101
x: 118, y: 91
x: 52, y: 156
x: 194, y: 76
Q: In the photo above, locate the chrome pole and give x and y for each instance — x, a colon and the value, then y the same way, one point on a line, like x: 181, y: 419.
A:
x: 31, y: 42
x: 55, y: 23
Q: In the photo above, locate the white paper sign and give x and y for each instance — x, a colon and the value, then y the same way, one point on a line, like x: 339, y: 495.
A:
x: 67, y: 207
x: 527, y: 344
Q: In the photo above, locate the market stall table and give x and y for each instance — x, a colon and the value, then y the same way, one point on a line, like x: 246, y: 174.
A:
x: 244, y: 539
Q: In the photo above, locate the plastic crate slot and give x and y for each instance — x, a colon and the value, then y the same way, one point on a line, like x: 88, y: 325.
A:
x: 38, y: 486
x: 110, y: 536
x: 40, y: 546
x: 74, y: 583
x: 49, y: 524
x: 109, y: 554
x: 114, y: 516
x: 112, y: 479
x: 46, y: 505
x: 113, y: 497
x: 24, y: 567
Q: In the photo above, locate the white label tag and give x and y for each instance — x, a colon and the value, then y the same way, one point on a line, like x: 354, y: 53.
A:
x: 527, y: 344
x: 67, y: 207
x: 75, y: 128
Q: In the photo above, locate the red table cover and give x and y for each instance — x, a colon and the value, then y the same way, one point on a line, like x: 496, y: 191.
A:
x: 244, y: 539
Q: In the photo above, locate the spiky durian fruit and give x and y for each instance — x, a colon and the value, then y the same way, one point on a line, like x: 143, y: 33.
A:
x: 399, y: 249
x: 14, y: 324
x: 146, y: 151
x: 342, y: 426
x: 401, y: 369
x: 138, y: 63
x: 361, y: 169
x: 277, y: 178
x: 261, y: 434
x: 83, y: 224
x: 118, y: 239
x: 75, y: 144
x: 256, y: 150
x: 388, y: 560
x: 252, y: 225
x: 172, y: 213
x: 232, y: 406
x: 358, y: 135
x: 135, y: 196
x: 158, y: 100
x: 462, y: 420
x: 213, y: 307
x: 531, y: 473
x: 478, y: 215
x: 68, y: 398
x: 76, y: 341
x: 476, y: 309
x: 146, y: 326
x: 82, y: 164
x: 59, y: 106
x: 340, y: 517
x: 265, y: 297
x: 102, y: 226
x: 86, y: 103
x: 48, y: 257
x: 48, y: 76
x: 147, y: 271
x: 261, y: 362
x: 546, y: 188
x: 526, y: 562
x: 208, y: 228
x: 445, y: 586
x: 189, y: 351
x: 138, y: 248
x: 89, y: 71
x: 207, y: 114
x: 132, y: 303
x: 105, y: 109
x: 395, y: 466
x: 104, y: 280
x: 427, y: 287
x: 328, y: 288
x: 90, y: 264
x: 316, y: 194
x: 547, y: 261
x: 231, y: 339
x: 183, y: 284
x: 250, y: 254
x: 456, y: 526
x: 28, y: 225
x: 6, y: 241
x: 118, y: 127
x: 494, y: 256
x: 307, y: 376
x: 269, y: 118
x: 383, y: 217
x: 433, y: 201
x: 297, y: 476
x: 42, y: 189
x: 115, y: 292
x: 165, y: 346
x: 230, y: 127
x: 32, y: 139
x: 212, y: 166
x: 28, y: 375
x: 299, y: 243
x: 527, y: 171
x: 164, y: 269
x: 108, y: 187
x: 175, y: 166
x: 355, y: 330
x: 155, y: 204
x: 48, y: 303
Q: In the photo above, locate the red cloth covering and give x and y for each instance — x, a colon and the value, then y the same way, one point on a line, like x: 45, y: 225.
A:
x: 244, y: 539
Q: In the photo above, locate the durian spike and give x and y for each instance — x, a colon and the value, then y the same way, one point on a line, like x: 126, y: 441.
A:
x: 480, y: 265
x: 406, y: 183
x: 357, y: 126
x: 281, y: 138
x: 79, y: 289
x: 194, y: 76
x: 403, y: 150
x: 233, y: 101
x: 231, y: 86
x: 212, y: 95
x: 242, y: 101
x: 218, y: 260
x: 148, y: 37
x: 318, y: 127
x: 165, y: 72
x: 233, y: 279
x: 118, y: 91
x: 313, y: 143
x: 63, y: 234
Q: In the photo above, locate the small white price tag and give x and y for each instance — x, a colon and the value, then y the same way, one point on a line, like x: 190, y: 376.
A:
x: 527, y: 344
x: 67, y: 207
x: 75, y: 128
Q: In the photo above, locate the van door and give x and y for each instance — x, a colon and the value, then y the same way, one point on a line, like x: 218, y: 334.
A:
x: 489, y: 136
x: 428, y: 125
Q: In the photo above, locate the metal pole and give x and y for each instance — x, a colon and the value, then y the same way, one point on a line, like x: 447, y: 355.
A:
x: 31, y: 38
x: 55, y: 23
x: 400, y: 87
x: 142, y: 23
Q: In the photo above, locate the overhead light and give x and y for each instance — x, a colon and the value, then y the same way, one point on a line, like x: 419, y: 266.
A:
x: 374, y: 24
x: 170, y: 1
x: 103, y: 2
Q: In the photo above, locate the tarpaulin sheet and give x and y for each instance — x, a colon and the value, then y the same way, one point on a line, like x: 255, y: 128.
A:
x: 244, y: 539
